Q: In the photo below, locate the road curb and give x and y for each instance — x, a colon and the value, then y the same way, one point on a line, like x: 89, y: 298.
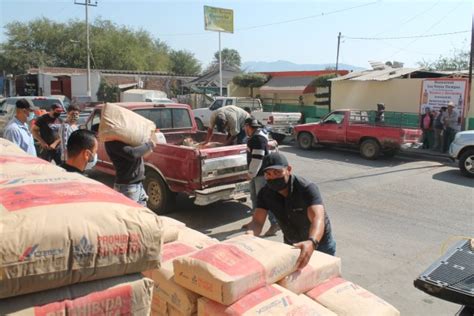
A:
x: 425, y: 156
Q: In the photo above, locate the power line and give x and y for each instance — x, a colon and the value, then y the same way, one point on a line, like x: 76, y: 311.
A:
x: 322, y: 14
x: 403, y: 37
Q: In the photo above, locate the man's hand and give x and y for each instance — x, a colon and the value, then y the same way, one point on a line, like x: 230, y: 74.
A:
x: 307, y: 249
x: 44, y: 145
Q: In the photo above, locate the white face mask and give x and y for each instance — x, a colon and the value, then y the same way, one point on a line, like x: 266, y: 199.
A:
x: 91, y: 163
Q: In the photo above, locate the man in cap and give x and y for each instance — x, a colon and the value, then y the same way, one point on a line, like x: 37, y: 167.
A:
x: 380, y: 115
x: 230, y: 119
x: 298, y: 207
x: 451, y: 125
x: 17, y: 129
x: 82, y: 148
x: 46, y: 136
x: 257, y: 149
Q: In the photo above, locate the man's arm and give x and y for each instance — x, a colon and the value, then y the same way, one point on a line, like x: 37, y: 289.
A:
x: 230, y: 140
x: 35, y: 130
x: 12, y: 135
x: 258, y: 220
x: 128, y: 152
x: 258, y: 145
x: 316, y: 231
x: 210, y: 131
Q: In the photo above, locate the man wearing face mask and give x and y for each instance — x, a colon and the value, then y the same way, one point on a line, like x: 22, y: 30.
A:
x: 66, y: 128
x: 47, y: 136
x: 17, y: 129
x: 82, y: 148
x: 129, y: 168
x: 230, y: 119
x: 298, y: 207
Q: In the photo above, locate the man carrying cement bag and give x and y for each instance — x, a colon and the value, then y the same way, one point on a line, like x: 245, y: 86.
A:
x: 298, y: 207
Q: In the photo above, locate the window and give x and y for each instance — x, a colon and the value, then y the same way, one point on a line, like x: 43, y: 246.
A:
x: 334, y: 118
x: 93, y: 125
x: 228, y: 102
x: 217, y: 104
x: 181, y: 119
x: 167, y: 118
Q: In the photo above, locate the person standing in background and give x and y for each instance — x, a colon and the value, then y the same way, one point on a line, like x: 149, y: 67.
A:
x: 47, y: 137
x: 17, y: 130
x: 450, y: 121
x: 438, y: 130
x: 426, y: 125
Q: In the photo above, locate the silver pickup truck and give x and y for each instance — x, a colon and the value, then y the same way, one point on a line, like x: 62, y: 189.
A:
x: 280, y: 124
x: 462, y: 149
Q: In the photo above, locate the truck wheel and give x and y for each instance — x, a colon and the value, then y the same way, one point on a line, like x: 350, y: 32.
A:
x: 199, y: 124
x: 160, y: 199
x: 466, y: 163
x: 278, y: 137
x: 370, y: 149
x: 305, y: 140
x: 389, y: 153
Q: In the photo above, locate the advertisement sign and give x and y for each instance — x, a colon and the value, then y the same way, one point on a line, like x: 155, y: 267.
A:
x: 436, y: 93
x: 218, y: 19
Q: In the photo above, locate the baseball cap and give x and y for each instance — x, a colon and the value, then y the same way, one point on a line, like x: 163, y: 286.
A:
x: 252, y: 122
x: 26, y: 104
x: 450, y: 103
x: 274, y: 161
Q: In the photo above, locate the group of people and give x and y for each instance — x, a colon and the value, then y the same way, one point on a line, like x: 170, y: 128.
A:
x: 439, y: 127
x: 292, y: 203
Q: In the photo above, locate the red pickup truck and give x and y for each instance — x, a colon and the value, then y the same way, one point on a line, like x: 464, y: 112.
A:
x: 209, y: 174
x: 355, y: 128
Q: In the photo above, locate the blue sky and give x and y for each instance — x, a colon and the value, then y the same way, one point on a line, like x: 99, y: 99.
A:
x: 310, y: 36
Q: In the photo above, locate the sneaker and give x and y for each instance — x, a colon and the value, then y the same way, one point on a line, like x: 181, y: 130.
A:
x: 272, y: 230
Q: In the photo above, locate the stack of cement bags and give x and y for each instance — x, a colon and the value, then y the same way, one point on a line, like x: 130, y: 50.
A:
x: 70, y: 245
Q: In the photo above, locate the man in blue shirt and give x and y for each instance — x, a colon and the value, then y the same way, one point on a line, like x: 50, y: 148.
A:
x: 17, y: 129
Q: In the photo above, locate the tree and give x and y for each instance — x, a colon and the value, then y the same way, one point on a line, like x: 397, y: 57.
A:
x: 107, y: 92
x: 184, y: 63
x: 43, y: 42
x: 230, y: 57
x: 250, y: 81
x: 458, y: 61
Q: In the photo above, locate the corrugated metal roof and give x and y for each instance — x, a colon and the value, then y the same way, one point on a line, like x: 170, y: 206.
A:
x: 287, y: 84
x: 377, y: 75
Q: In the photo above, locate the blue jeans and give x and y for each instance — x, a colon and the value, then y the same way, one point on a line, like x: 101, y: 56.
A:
x: 134, y: 192
x: 329, y: 247
x: 256, y: 184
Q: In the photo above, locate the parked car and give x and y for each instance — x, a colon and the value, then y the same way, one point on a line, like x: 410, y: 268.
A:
x: 354, y: 128
x: 208, y: 175
x: 280, y: 124
x: 8, y: 106
x: 462, y: 150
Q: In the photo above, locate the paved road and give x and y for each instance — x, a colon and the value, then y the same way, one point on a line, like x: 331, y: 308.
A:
x: 390, y: 217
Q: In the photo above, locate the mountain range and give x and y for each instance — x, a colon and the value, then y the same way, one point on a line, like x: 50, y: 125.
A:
x: 283, y: 65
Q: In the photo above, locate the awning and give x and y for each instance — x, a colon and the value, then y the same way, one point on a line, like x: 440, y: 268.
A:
x: 298, y: 85
x: 127, y: 85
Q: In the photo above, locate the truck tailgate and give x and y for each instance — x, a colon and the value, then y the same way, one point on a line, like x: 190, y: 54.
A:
x: 221, y: 165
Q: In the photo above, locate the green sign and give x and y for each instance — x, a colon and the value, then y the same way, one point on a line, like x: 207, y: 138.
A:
x: 217, y: 19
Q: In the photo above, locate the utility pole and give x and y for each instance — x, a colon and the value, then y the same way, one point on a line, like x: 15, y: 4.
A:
x: 337, y: 56
x: 220, y: 65
x: 87, y: 3
x: 468, y: 105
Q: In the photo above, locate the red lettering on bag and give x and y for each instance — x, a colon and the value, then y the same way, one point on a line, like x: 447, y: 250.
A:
x: 34, y: 195
x: 324, y: 287
x: 116, y: 301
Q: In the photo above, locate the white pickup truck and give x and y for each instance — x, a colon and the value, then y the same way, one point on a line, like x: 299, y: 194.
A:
x: 462, y: 150
x: 280, y: 124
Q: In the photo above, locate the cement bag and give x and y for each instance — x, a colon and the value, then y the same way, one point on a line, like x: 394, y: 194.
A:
x: 346, y: 298
x: 118, y: 123
x: 124, y: 295
x: 166, y: 289
x: 171, y: 228
x: 16, y: 166
x: 269, y: 300
x: 229, y: 270
x: 321, y: 267
x: 64, y: 228
x: 9, y: 148
x: 196, y: 239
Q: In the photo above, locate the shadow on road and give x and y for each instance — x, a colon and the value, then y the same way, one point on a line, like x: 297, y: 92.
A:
x: 344, y: 155
x: 454, y: 176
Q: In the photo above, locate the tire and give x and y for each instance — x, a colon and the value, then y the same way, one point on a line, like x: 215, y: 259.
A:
x: 305, y: 141
x: 199, y: 124
x: 370, y: 149
x: 160, y: 199
x: 466, y: 163
x: 390, y: 153
x: 278, y: 137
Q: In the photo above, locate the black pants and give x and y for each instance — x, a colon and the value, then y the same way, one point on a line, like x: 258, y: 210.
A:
x: 448, y: 134
x: 50, y: 155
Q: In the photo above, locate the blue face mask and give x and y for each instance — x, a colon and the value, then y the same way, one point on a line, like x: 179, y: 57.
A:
x: 31, y: 116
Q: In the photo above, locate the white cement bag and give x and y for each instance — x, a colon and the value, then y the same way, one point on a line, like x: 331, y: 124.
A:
x: 17, y: 166
x: 119, y: 123
x: 321, y: 267
x: 9, y: 148
x: 125, y: 295
x: 64, y: 228
x: 269, y: 300
x: 348, y: 299
x: 171, y: 228
x: 196, y: 239
x: 229, y: 270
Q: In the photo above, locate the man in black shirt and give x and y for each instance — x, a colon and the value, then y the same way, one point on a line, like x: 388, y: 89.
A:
x: 46, y: 136
x: 298, y: 207
x: 129, y: 168
x: 81, y: 151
